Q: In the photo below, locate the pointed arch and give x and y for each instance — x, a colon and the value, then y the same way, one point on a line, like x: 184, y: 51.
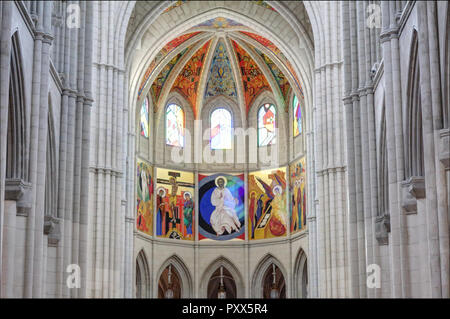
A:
x: 301, y: 275
x: 142, y: 276
x: 221, y: 120
x: 232, y: 269
x: 414, y: 156
x: 383, y: 177
x: 144, y: 117
x: 260, y: 271
x: 297, y: 116
x: 50, y: 200
x: 267, y: 124
x: 16, y: 154
x: 175, y: 125
x: 183, y: 272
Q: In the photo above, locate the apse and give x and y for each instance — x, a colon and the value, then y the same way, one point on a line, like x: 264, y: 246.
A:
x: 220, y: 125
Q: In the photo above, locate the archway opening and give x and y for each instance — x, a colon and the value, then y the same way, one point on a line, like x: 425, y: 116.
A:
x: 274, y: 286
x: 169, y: 285
x: 221, y: 285
x: 305, y: 281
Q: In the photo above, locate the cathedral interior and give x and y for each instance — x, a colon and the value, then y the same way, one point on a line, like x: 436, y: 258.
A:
x: 224, y: 149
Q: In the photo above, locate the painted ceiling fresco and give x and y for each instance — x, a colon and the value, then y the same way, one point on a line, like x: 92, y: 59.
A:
x: 187, y: 81
x: 219, y: 22
x: 264, y: 4
x: 253, y: 79
x: 169, y: 47
x: 274, y: 49
x: 283, y: 83
x: 158, y: 84
x: 220, y: 77
x: 176, y: 4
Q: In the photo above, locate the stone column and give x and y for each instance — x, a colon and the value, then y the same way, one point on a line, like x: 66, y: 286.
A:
x: 442, y: 199
x: 434, y: 275
x: 5, y: 56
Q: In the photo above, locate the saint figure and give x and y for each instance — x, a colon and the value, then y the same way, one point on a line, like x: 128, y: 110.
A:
x: 224, y: 217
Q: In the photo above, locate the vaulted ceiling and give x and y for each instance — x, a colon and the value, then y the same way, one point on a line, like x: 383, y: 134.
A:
x: 219, y: 57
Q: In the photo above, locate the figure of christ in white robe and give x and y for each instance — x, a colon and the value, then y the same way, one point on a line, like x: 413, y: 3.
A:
x: 224, y: 217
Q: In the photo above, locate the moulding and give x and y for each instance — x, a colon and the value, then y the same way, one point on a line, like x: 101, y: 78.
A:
x: 382, y: 229
x: 444, y: 149
x: 20, y: 191
x: 412, y: 189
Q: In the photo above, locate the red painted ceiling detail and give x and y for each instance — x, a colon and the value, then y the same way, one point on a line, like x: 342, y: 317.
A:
x: 187, y: 81
x: 169, y: 47
x: 253, y: 79
x: 274, y: 49
x: 159, y: 82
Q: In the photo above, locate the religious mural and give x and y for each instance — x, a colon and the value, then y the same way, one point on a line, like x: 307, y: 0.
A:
x: 274, y: 49
x: 219, y: 22
x: 267, y: 212
x: 220, y: 77
x: 297, y: 187
x: 158, y: 84
x: 169, y: 47
x: 187, y: 81
x: 221, y: 205
x: 253, y: 79
x: 144, y: 197
x: 175, y: 204
x: 282, y: 81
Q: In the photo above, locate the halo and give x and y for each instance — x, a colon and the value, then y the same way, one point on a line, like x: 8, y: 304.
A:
x: 161, y: 189
x: 187, y: 192
x: 221, y: 177
x: 279, y: 188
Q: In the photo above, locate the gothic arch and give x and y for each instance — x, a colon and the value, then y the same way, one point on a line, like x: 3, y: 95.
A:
x: 259, y: 272
x: 159, y: 129
x: 301, y: 276
x: 221, y: 261
x: 50, y: 202
x: 414, y: 156
x: 382, y: 224
x: 282, y: 139
x: 143, y: 283
x: 230, y: 105
x: 183, y: 272
x: 16, y: 150
x: 304, y: 65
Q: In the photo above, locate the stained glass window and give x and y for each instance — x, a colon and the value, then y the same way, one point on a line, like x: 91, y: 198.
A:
x: 221, y: 126
x: 266, y: 125
x: 144, y: 118
x: 297, y: 116
x: 174, y: 125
